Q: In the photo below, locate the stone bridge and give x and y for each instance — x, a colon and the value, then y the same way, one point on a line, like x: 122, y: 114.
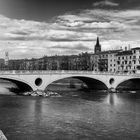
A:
x: 39, y: 80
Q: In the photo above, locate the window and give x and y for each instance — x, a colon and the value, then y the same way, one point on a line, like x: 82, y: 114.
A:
x: 125, y: 62
x: 111, y: 65
x: 123, y: 57
x: 130, y: 57
x: 114, y: 65
x: 119, y: 58
x: 138, y: 67
x: 134, y: 61
x: 118, y: 62
x: 134, y: 57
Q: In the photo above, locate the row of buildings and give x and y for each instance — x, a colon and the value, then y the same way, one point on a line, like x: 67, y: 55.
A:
x: 72, y: 62
x: 113, y: 61
x: 116, y: 61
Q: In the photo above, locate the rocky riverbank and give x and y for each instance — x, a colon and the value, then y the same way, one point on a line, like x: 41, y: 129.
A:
x: 42, y: 93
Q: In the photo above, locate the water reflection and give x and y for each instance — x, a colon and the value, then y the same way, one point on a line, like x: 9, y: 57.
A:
x: 75, y: 115
x: 113, y: 99
x: 99, y: 96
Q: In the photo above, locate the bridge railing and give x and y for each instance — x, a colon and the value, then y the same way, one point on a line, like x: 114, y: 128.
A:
x: 15, y: 72
x: 42, y: 72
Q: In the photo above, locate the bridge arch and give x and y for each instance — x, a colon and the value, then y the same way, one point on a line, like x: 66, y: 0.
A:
x: 92, y: 83
x: 129, y: 84
x: 22, y: 85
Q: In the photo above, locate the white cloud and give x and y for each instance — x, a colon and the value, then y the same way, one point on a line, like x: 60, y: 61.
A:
x: 128, y: 14
x: 105, y: 25
x: 106, y: 3
x: 69, y: 33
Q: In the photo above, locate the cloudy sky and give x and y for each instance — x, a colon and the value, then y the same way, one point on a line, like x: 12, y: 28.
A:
x: 34, y: 28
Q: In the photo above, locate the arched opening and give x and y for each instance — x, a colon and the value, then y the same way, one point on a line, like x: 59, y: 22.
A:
x: 38, y: 82
x: 92, y: 83
x: 111, y: 81
x: 83, y: 82
x: 129, y: 85
x: 20, y: 87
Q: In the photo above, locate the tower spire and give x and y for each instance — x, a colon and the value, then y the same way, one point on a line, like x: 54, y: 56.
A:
x: 97, y: 43
x: 97, y: 46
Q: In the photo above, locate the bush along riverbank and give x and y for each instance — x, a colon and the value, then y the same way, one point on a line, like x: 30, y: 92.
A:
x: 42, y: 93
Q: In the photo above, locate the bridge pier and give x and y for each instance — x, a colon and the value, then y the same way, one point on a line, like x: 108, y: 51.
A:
x: 110, y: 90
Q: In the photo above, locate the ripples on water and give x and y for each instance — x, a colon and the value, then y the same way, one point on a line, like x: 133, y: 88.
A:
x: 75, y: 115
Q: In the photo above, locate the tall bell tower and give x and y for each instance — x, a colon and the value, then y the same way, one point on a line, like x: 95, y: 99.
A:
x: 6, y: 58
x: 97, y: 48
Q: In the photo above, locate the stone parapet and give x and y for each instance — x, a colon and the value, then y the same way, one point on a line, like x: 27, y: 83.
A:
x: 2, y: 136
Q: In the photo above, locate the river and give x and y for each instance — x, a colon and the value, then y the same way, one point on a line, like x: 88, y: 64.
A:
x: 77, y: 115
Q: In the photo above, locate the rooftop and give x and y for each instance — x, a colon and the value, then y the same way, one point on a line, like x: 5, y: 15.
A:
x: 108, y: 52
x: 137, y: 48
x: 128, y: 52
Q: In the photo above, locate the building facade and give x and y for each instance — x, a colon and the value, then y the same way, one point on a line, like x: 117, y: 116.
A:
x: 103, y: 61
x: 115, y: 61
x: 128, y: 61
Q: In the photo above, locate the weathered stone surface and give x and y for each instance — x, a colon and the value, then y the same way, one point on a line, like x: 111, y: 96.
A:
x: 2, y: 136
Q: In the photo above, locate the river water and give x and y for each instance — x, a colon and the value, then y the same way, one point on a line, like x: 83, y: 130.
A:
x: 77, y: 115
